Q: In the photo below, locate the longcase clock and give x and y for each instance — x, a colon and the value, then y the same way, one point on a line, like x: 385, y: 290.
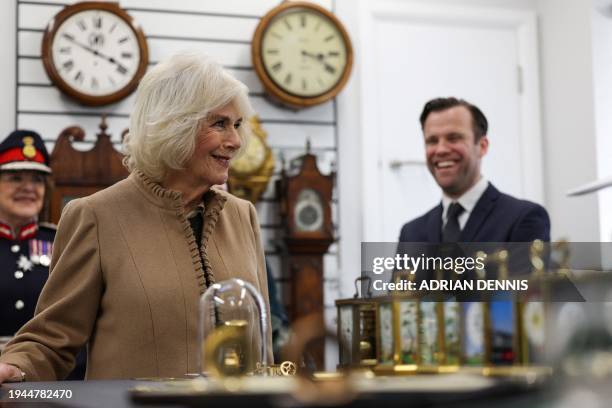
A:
x: 305, y: 206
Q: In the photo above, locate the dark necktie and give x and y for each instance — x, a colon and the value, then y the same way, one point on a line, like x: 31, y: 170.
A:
x: 451, y: 230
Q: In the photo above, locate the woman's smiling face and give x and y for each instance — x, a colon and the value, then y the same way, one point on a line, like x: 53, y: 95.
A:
x: 216, y: 144
x: 21, y: 196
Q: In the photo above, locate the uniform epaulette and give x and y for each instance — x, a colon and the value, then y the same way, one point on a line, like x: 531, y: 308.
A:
x: 49, y: 225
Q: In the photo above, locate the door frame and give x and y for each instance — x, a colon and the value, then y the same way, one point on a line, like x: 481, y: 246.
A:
x: 360, y: 192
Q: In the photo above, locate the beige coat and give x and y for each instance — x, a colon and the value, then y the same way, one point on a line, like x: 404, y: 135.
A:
x: 126, y: 276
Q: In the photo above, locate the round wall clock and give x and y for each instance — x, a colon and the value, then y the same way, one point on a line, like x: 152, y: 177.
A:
x: 302, y: 54
x: 94, y: 52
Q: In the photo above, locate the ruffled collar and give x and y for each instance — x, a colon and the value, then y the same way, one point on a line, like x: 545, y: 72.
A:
x: 213, y: 202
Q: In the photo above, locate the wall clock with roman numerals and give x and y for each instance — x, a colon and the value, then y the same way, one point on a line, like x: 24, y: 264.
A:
x: 94, y: 52
x: 302, y: 54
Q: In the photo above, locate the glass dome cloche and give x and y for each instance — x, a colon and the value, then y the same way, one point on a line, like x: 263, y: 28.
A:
x: 233, y: 330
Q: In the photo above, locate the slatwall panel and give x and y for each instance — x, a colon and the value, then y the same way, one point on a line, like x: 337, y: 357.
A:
x: 221, y: 29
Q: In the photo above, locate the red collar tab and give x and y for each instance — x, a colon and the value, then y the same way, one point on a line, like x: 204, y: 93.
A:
x: 26, y: 232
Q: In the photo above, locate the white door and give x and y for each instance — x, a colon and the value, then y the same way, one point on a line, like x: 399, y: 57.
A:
x: 414, y: 55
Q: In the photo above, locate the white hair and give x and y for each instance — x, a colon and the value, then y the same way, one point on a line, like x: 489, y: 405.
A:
x: 172, y: 101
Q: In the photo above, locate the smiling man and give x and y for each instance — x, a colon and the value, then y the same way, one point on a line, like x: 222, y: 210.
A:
x: 472, y: 209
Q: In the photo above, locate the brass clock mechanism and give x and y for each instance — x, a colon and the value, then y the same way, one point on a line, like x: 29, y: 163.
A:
x: 251, y: 171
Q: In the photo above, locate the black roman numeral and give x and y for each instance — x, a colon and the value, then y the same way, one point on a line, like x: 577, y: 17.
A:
x: 303, y: 20
x: 272, y: 52
x: 330, y: 69
x: 64, y: 50
x: 121, y: 69
x: 288, y: 79
x: 286, y: 21
x: 124, y: 39
x: 304, y: 84
x: 94, y: 83
x: 79, y: 77
x: 126, y: 55
x: 333, y: 53
x: 97, y: 22
x: 276, y: 67
x: 112, y: 28
x: 68, y: 65
x: 82, y: 25
x: 329, y: 37
x: 276, y: 35
x: 68, y: 36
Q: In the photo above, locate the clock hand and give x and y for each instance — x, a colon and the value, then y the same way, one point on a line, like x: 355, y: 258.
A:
x: 321, y: 58
x: 318, y: 57
x: 97, y: 53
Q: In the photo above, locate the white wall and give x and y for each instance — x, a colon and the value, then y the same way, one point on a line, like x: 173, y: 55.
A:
x: 7, y: 66
x: 602, y: 81
x: 568, y: 116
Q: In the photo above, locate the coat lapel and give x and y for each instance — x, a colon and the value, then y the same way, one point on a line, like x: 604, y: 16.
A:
x: 434, y: 225
x: 481, y: 211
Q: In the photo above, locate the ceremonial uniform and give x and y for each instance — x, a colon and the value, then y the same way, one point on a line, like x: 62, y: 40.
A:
x: 24, y: 267
x: 25, y: 244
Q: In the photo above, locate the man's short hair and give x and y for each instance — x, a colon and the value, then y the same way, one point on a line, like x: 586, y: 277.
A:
x: 480, y: 124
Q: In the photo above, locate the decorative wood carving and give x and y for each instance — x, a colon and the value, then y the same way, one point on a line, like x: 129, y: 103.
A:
x: 80, y: 173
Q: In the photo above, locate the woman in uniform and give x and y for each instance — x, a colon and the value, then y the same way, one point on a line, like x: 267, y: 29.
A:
x: 25, y: 244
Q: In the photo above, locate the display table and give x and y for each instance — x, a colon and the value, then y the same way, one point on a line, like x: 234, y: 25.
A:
x: 391, y: 392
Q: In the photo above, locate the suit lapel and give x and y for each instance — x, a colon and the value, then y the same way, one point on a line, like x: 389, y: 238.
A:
x: 434, y: 225
x: 481, y: 211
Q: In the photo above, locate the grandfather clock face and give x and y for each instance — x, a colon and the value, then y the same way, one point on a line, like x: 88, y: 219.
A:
x: 308, y: 212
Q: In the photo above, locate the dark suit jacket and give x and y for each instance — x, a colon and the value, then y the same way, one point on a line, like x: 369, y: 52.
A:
x: 497, y: 217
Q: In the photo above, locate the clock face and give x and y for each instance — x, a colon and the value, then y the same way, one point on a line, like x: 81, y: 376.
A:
x: 304, y: 52
x: 251, y: 159
x: 94, y: 53
x: 309, y: 211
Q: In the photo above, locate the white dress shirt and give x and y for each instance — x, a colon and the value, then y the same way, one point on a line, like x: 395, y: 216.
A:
x: 468, y: 201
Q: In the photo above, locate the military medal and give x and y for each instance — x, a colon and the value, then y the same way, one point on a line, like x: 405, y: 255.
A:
x: 34, y: 251
x: 24, y: 263
x: 40, y: 252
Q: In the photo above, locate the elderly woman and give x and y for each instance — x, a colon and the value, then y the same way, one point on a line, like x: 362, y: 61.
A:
x: 130, y: 262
